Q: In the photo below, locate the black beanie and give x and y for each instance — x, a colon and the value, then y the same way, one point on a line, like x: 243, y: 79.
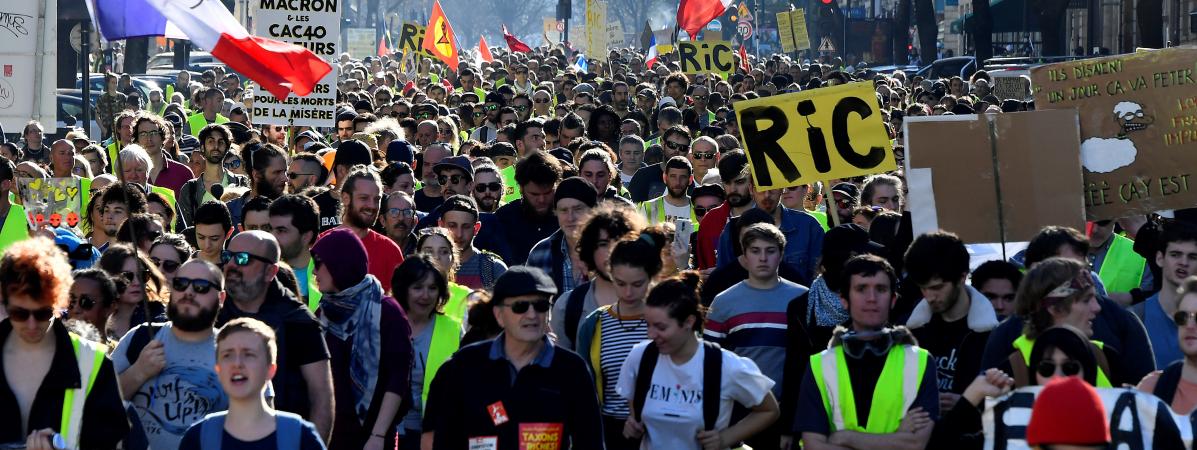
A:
x: 578, y: 189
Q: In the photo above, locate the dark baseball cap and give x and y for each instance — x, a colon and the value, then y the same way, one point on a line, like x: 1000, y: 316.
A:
x: 459, y: 162
x: 522, y: 280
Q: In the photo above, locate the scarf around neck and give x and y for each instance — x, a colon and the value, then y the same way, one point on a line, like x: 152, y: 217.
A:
x: 824, y: 305
x: 354, y: 315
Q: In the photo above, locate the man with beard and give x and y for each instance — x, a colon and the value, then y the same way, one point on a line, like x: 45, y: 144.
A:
x: 214, y: 140
x: 302, y: 384
x: 488, y: 187
x: 489, y: 129
x: 294, y: 222
x: 953, y: 320
x: 267, y: 170
x: 361, y: 197
x: 118, y: 202
x: 306, y: 170
x: 674, y: 205
x: 170, y: 382
x: 430, y: 196
x: 399, y: 219
x: 349, y: 154
x: 648, y: 182
x: 804, y: 236
x: 737, y: 186
x: 530, y: 218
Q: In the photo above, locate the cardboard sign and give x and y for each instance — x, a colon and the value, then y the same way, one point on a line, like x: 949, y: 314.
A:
x: 706, y: 57
x: 1138, y: 119
x: 1017, y: 88
x: 317, y: 27
x: 1137, y: 420
x: 57, y: 202
x: 596, y: 30
x: 815, y: 135
x: 955, y: 186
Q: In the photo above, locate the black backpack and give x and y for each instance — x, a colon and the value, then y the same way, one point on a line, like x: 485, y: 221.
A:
x: 573, y: 310
x: 141, y: 337
x: 712, y: 377
x: 1165, y: 386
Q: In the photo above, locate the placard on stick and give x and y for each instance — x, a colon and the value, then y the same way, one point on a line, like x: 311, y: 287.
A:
x: 955, y: 185
x: 816, y: 135
x: 1138, y: 123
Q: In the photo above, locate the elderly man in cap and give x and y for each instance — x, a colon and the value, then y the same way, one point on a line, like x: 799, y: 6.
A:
x: 535, y: 392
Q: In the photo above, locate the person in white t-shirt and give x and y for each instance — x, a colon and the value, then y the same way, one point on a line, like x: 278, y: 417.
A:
x: 674, y: 204
x: 670, y: 414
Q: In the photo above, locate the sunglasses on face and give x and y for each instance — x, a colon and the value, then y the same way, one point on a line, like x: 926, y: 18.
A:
x: 424, y: 115
x: 700, y: 211
x: 707, y: 155
x: 1182, y: 318
x: 1048, y: 368
x: 241, y: 258
x: 232, y: 164
x: 18, y: 314
x: 128, y: 277
x: 85, y: 302
x: 294, y: 175
x: 541, y: 100
x: 449, y: 179
x: 521, y: 108
x: 401, y: 212
x: 199, y: 285
x: 479, y: 114
x: 483, y: 187
x: 520, y: 307
x: 490, y: 107
x: 677, y: 146
x: 699, y: 98
x: 166, y: 265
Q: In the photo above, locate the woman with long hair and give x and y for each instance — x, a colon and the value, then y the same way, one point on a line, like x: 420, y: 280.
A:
x: 139, y: 283
x: 422, y: 290
x: 608, y: 334
x: 676, y: 358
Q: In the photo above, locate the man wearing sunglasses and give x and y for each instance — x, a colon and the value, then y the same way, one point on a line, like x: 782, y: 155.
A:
x: 490, y: 129
x: 488, y: 187
x: 649, y: 182
x: 301, y: 384
x: 43, y: 361
x: 455, y: 175
x: 704, y: 155
x: 532, y: 384
x: 168, y: 382
x: 868, y: 294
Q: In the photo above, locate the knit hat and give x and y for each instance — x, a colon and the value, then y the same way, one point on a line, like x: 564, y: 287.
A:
x: 400, y: 151
x: 1068, y: 411
x: 351, y: 153
x: 578, y: 189
x: 345, y: 256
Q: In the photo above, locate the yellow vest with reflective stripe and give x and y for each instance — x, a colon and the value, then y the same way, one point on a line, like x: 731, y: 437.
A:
x: 16, y: 227
x: 90, y: 356
x: 197, y: 122
x: 1024, y: 346
x: 821, y: 217
x: 894, y: 393
x: 456, y: 307
x: 654, y: 211
x: 1122, y: 268
x: 446, y: 337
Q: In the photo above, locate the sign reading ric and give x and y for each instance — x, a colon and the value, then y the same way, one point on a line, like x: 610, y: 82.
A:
x: 411, y: 39
x: 706, y: 56
x: 843, y: 136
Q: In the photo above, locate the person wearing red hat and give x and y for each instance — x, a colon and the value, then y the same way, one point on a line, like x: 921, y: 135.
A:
x: 1068, y: 414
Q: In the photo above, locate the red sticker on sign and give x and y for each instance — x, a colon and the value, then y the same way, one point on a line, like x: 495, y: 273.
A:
x: 541, y: 436
x: 498, y: 414
x: 8, y: 70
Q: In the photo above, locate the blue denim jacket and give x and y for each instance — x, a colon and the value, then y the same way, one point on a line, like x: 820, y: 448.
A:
x: 804, y: 244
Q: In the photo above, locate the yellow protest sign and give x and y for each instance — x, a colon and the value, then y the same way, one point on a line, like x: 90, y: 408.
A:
x: 785, y: 31
x: 411, y: 38
x: 815, y: 135
x: 798, y: 25
x: 706, y: 57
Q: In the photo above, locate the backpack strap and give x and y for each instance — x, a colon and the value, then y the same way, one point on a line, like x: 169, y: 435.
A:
x: 644, y: 378
x: 1018, y: 367
x: 1166, y: 384
x: 140, y: 339
x: 573, y: 310
x: 1140, y: 310
x: 712, y: 378
x: 287, y: 431
x: 212, y: 431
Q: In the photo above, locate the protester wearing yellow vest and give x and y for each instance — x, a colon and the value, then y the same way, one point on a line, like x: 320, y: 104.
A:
x: 295, y: 222
x: 872, y: 387
x: 674, y: 204
x: 211, y: 101
x: 15, y: 226
x: 423, y: 291
x: 1114, y: 258
x: 75, y: 397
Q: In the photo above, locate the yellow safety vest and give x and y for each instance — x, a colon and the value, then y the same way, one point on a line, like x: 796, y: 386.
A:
x: 1122, y: 268
x: 511, y: 189
x: 197, y: 122
x: 1024, y: 346
x: 654, y: 211
x: 894, y: 393
x: 90, y: 356
x: 446, y: 338
x: 821, y: 217
x: 16, y: 227
x: 456, y: 306
x: 314, y: 294
x: 170, y: 197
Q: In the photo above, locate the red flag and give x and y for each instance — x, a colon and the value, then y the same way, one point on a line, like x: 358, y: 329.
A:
x: 439, y: 39
x: 744, y: 60
x: 382, y: 46
x: 484, y: 50
x: 514, y: 43
x: 692, y: 15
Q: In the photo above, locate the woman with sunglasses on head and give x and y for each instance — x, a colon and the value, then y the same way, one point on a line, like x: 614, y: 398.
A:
x: 677, y: 358
x: 168, y: 252
x: 92, y: 298
x: 140, y: 284
x: 607, y: 335
x: 422, y: 290
x: 437, y: 244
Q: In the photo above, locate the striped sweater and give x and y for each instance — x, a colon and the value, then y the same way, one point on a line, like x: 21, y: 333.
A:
x: 752, y: 323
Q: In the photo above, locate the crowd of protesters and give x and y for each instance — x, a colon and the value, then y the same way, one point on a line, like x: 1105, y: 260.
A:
x: 522, y: 253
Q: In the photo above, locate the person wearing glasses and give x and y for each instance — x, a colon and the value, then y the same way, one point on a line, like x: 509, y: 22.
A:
x: 141, y: 286
x: 522, y: 104
x: 542, y: 103
x: 93, y: 298
x: 369, y: 340
x: 704, y: 156
x: 54, y: 381
x: 1176, y: 382
x: 533, y: 393
x: 649, y: 182
x: 399, y: 220
x: 168, y: 252
x: 170, y: 382
x: 306, y: 170
x: 301, y: 384
x: 488, y: 187
x: 150, y: 132
x: 489, y: 129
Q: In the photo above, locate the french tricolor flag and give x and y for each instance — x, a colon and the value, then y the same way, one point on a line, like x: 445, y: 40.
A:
x: 651, y: 58
x: 279, y: 67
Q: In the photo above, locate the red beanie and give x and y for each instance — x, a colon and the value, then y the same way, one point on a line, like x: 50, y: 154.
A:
x: 1068, y: 412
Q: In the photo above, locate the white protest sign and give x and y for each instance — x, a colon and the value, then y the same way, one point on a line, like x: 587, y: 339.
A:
x: 315, y: 25
x: 1137, y: 420
x: 21, y: 78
